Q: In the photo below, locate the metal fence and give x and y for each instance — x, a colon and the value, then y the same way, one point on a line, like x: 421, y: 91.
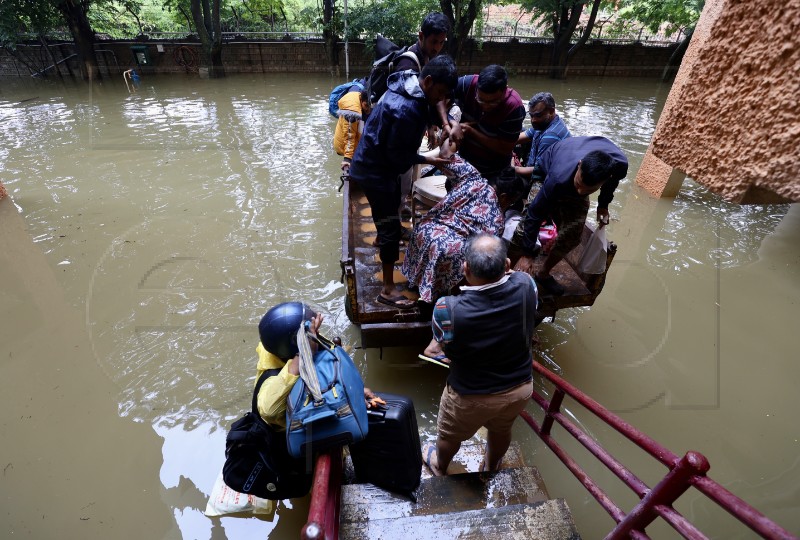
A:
x: 493, y: 34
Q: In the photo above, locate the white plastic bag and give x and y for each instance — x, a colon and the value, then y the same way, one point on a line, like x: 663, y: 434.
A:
x: 593, y: 260
x: 223, y: 500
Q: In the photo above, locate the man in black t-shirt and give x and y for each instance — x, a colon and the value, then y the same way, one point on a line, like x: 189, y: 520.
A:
x: 432, y: 37
x: 485, y: 335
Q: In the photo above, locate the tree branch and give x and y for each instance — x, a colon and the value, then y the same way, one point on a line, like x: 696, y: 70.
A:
x: 586, y: 31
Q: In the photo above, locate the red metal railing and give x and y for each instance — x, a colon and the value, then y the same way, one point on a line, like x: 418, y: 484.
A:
x: 684, y: 473
x: 323, y: 512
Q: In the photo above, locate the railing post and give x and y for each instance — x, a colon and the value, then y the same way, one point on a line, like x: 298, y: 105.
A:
x: 672, y: 486
x: 554, y: 407
x: 314, y: 529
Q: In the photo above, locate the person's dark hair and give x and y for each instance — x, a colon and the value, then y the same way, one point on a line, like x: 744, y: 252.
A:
x: 545, y: 97
x: 509, y: 183
x: 435, y: 23
x: 442, y: 70
x: 492, y: 78
x: 596, y: 167
x: 364, y: 96
x: 486, y: 256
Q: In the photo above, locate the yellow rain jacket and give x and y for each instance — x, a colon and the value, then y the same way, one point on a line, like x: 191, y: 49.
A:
x: 349, y: 126
x: 273, y: 393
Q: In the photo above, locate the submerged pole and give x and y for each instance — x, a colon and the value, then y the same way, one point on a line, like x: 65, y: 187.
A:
x: 346, y: 55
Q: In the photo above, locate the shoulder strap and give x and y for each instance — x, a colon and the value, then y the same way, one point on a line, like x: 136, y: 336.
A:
x: 264, y: 376
x: 413, y: 56
x: 451, y: 302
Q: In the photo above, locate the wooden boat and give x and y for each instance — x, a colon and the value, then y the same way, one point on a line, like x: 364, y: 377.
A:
x: 385, y: 326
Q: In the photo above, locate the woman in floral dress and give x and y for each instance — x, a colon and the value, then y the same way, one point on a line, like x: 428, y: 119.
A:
x: 433, y: 260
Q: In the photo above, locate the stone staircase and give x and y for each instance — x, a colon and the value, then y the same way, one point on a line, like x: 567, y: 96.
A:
x: 465, y: 504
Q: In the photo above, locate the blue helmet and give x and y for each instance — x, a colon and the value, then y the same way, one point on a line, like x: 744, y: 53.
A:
x: 278, y: 328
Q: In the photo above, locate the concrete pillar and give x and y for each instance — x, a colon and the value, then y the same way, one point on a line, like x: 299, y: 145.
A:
x: 732, y: 119
x: 656, y: 176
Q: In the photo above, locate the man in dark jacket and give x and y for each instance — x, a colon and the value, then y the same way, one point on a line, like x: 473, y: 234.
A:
x: 485, y: 335
x: 388, y: 147
x: 571, y: 170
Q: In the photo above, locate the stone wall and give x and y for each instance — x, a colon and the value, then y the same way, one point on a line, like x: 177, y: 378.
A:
x: 594, y: 58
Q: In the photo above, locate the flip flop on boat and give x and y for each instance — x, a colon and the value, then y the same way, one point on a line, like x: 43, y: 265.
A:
x: 429, y: 450
x: 398, y: 301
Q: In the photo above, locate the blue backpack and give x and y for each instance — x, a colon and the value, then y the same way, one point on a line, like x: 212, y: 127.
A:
x: 341, y: 90
x: 326, y: 406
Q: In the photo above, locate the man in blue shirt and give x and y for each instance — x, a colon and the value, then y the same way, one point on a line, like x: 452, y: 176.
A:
x: 571, y: 170
x: 546, y: 129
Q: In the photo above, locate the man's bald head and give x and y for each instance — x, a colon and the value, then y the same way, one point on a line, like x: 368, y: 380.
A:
x: 485, y: 254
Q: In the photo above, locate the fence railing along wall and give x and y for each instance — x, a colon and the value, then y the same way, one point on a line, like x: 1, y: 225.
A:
x: 293, y: 55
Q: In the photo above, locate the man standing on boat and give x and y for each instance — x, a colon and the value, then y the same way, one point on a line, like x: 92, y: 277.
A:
x: 485, y: 335
x: 388, y: 147
x: 492, y: 115
x: 571, y: 170
x: 432, y: 37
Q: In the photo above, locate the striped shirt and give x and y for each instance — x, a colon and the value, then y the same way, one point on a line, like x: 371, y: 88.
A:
x: 542, y: 140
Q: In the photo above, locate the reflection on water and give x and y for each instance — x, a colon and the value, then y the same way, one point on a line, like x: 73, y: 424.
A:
x: 174, y: 217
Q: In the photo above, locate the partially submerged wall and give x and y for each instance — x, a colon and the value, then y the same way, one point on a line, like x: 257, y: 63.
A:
x: 732, y: 119
x: 594, y: 58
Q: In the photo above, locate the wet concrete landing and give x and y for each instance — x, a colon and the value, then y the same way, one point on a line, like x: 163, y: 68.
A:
x: 543, y: 520
x: 510, y: 503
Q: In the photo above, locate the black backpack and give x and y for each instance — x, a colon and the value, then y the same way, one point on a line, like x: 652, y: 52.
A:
x: 257, y: 461
x: 387, y: 54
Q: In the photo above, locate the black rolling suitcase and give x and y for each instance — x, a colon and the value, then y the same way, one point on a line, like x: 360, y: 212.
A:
x: 390, y: 457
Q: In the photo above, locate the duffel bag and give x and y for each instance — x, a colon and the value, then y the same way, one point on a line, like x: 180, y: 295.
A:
x: 326, y: 406
x: 257, y: 461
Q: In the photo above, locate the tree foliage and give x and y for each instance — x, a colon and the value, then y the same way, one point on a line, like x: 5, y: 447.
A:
x: 462, y: 15
x: 21, y: 17
x: 398, y: 21
x: 675, y: 14
x: 564, y: 17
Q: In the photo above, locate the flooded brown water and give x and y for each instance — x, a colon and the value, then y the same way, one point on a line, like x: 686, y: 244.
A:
x: 149, y: 232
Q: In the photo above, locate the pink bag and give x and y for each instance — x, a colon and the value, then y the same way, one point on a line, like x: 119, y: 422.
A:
x: 547, y: 236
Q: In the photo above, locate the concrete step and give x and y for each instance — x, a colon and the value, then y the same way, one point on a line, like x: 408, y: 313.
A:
x: 510, y: 503
x: 437, y: 495
x: 543, y: 520
x: 470, y: 455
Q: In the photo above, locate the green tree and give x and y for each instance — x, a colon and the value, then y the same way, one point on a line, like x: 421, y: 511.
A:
x: 462, y: 15
x: 673, y: 15
x: 397, y: 21
x: 205, y: 15
x: 39, y: 16
x: 563, y: 18
x: 24, y: 18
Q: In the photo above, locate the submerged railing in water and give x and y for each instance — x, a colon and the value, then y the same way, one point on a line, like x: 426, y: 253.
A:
x: 684, y: 473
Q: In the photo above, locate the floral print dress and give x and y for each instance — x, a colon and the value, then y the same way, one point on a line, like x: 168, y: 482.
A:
x: 434, y: 255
